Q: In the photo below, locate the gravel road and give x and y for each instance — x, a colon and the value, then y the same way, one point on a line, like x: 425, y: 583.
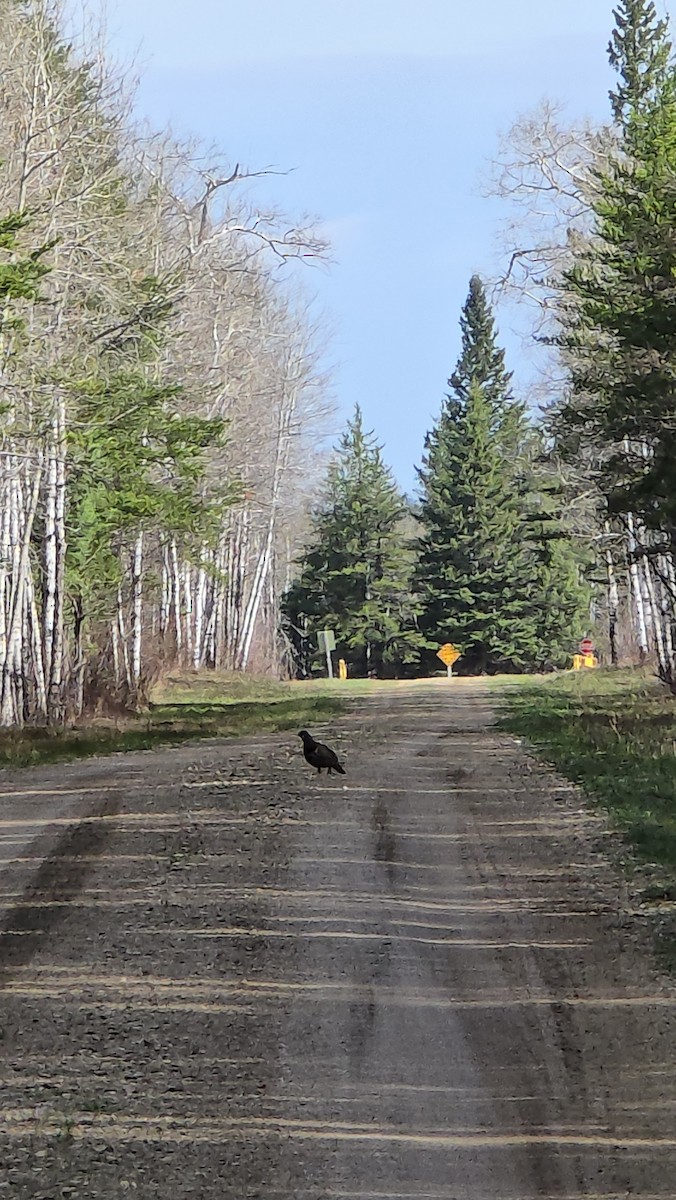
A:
x: 222, y: 976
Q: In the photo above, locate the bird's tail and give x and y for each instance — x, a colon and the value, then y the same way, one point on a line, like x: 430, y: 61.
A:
x: 339, y: 769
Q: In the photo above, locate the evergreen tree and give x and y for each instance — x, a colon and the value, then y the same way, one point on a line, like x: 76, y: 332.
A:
x: 619, y: 322
x: 562, y: 563
x: 481, y: 358
x: 483, y: 576
x: 20, y: 273
x: 472, y: 572
x: 355, y: 578
x: 136, y: 463
x: 640, y: 52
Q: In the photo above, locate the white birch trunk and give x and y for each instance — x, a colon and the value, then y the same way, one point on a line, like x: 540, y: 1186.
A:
x: 115, y: 641
x: 137, y: 609
x: 636, y: 588
x: 165, y: 601
x: 121, y: 626
x: 55, y: 672
x: 187, y: 603
x: 667, y: 590
x: 255, y: 596
x: 613, y: 600
x: 200, y: 600
x: 49, y: 552
x: 286, y: 411
x: 656, y: 618
x: 37, y: 649
x: 5, y: 563
x: 10, y: 713
x: 176, y: 589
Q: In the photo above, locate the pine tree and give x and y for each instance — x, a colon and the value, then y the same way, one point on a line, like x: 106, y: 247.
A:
x: 640, y: 52
x: 619, y: 328
x: 562, y: 563
x: 135, y: 463
x: 472, y: 572
x: 481, y: 358
x: 482, y: 576
x: 355, y: 578
x: 20, y: 270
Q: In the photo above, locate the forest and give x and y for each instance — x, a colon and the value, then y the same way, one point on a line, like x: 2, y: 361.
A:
x: 166, y: 497
x: 160, y: 388
x: 551, y: 517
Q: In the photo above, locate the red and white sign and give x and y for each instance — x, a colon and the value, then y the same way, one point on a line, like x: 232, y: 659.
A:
x: 586, y: 646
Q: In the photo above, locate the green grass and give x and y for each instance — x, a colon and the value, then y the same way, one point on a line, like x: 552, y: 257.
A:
x: 614, y: 733
x: 220, y: 687
x: 230, y: 688
x: 185, y: 708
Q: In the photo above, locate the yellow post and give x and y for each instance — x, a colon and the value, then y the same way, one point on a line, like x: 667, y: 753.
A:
x: 342, y: 668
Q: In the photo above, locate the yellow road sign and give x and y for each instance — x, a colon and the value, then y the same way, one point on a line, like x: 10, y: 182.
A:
x: 580, y: 661
x: 448, y: 654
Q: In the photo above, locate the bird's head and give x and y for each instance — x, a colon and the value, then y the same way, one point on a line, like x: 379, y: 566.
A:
x: 304, y: 734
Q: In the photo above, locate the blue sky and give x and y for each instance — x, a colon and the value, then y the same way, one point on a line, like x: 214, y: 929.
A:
x: 388, y: 111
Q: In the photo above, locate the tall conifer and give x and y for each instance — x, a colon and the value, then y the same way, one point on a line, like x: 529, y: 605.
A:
x: 355, y: 578
x: 640, y: 52
x: 483, y: 577
x: 619, y: 328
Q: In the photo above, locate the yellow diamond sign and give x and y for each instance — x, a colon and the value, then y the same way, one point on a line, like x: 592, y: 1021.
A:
x: 448, y: 654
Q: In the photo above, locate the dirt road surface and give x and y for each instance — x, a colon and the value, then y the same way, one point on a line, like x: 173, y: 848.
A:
x: 233, y: 979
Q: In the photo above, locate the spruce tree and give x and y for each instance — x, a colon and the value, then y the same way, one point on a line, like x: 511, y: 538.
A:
x: 20, y: 270
x: 619, y: 328
x: 481, y: 358
x: 561, y: 592
x: 137, y: 461
x: 355, y: 577
x: 483, y: 578
x: 472, y: 574
x: 640, y: 52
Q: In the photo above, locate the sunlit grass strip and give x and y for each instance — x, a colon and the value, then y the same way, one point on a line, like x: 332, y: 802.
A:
x: 613, y: 733
x: 166, y: 724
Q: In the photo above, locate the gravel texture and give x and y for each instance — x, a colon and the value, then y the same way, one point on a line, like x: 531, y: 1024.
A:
x: 223, y: 976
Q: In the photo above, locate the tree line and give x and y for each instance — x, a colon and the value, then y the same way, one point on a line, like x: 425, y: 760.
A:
x: 160, y: 391
x: 162, y: 401
x: 529, y: 535
x: 486, y: 560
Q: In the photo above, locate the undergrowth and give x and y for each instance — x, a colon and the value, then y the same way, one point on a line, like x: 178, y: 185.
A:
x: 614, y: 733
x: 185, y: 710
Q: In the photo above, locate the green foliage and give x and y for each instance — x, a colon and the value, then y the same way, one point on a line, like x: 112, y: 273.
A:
x: 640, y: 52
x: 169, y: 724
x: 355, y: 578
x: 562, y: 565
x: 135, y: 463
x: 20, y: 271
x: 481, y: 358
x: 619, y: 327
x: 488, y: 558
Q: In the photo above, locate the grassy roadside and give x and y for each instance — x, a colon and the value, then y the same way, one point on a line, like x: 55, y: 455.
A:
x: 614, y: 733
x: 186, y: 707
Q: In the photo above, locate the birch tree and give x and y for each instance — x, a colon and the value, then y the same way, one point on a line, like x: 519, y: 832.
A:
x: 156, y: 388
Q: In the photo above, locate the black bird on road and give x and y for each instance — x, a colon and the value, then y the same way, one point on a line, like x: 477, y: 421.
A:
x: 319, y: 755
